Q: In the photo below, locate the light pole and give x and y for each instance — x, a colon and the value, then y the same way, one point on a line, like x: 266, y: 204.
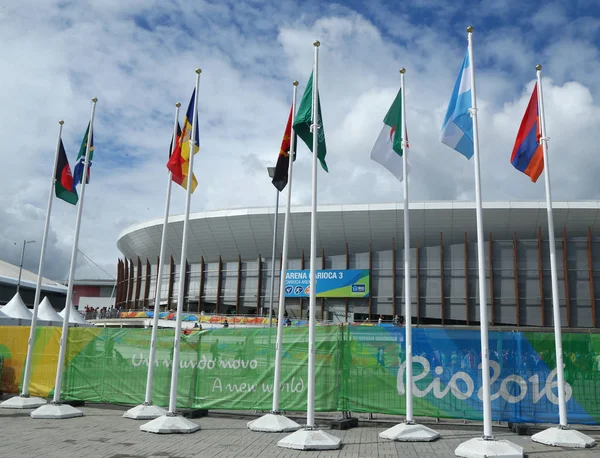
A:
x: 25, y: 242
x: 271, y: 171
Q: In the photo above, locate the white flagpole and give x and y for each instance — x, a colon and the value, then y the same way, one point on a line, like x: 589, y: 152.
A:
x: 274, y: 421
x: 147, y: 410
x: 310, y: 412
x: 24, y: 400
x: 562, y: 435
x: 409, y: 431
x: 483, y: 311
x: 184, y: 243
x: 284, y: 259
x: 310, y: 438
x: 55, y: 409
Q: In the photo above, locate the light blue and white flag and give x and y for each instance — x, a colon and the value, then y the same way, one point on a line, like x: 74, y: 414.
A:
x: 457, y: 130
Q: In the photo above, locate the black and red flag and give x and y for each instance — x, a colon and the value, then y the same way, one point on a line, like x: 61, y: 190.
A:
x: 63, y: 179
x: 280, y: 178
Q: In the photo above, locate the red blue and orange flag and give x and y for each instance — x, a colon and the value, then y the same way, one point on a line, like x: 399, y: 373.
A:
x: 527, y: 155
x: 179, y: 160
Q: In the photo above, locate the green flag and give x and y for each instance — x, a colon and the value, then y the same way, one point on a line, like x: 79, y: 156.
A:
x: 393, y: 119
x: 303, y: 122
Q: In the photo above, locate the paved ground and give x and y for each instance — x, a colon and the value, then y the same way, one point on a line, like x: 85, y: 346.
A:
x: 102, y: 432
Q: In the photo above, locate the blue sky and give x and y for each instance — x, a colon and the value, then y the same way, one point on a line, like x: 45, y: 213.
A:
x: 138, y: 57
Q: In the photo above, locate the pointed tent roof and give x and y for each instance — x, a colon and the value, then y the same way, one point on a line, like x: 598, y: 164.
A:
x: 47, y: 312
x: 74, y: 316
x: 17, y: 309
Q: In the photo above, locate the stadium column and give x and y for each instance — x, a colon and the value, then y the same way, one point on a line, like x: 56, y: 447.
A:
x: 442, y: 298
x: 147, y: 284
x: 347, y: 267
x: 201, y: 287
x: 394, y: 277
x: 259, y: 287
x: 238, y: 286
x: 171, y: 281
x: 138, y: 283
x: 418, y: 279
x: 126, y: 283
x: 516, y: 280
x: 118, y: 292
x: 491, y: 256
x: 301, y: 268
x: 566, y: 275
x: 219, y: 285
x: 541, y: 276
x: 370, y: 276
x: 322, y: 299
x: 130, y: 285
x: 156, y: 291
x: 466, y: 255
x: 591, y: 274
x: 186, y: 286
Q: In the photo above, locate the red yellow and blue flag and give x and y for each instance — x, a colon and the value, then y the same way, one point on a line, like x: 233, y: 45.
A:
x: 527, y: 155
x: 179, y: 161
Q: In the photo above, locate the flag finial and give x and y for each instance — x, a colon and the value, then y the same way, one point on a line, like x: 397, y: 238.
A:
x: 295, y: 83
x: 178, y: 104
x: 95, y: 99
x: 538, y: 67
x: 61, y: 122
x: 403, y: 70
x: 316, y: 44
x: 198, y: 70
x: 470, y: 29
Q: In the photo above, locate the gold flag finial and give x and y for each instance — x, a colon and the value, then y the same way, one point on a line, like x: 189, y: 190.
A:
x: 178, y: 104
x: 470, y: 29
x: 198, y: 70
x: 95, y: 99
x: 403, y: 70
x: 538, y: 67
x: 295, y: 83
x: 316, y: 44
x: 61, y: 122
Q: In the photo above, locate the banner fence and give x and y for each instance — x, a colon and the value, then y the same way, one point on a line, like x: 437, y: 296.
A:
x: 358, y: 369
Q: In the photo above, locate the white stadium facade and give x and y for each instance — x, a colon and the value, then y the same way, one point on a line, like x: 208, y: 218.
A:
x: 229, y: 265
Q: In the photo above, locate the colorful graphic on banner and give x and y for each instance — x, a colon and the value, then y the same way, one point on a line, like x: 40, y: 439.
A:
x: 359, y: 368
x: 330, y: 283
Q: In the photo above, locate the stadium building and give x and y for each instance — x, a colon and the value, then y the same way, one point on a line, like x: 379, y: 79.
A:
x: 228, y: 266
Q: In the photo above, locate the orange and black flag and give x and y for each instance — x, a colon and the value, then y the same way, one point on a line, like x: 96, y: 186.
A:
x: 179, y: 159
x: 280, y: 179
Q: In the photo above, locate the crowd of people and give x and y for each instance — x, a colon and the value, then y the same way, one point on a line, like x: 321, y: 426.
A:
x: 99, y: 313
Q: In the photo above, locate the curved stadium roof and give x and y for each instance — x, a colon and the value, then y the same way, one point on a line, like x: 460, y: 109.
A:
x: 249, y: 232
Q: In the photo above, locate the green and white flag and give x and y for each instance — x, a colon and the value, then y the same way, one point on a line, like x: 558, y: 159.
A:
x: 303, y: 122
x: 387, y: 149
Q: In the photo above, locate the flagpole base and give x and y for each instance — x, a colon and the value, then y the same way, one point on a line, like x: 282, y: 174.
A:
x: 273, y: 423
x: 410, y: 432
x: 23, y: 402
x: 170, y: 424
x: 310, y: 439
x: 563, y: 437
x: 484, y: 448
x: 55, y: 411
x: 144, y: 412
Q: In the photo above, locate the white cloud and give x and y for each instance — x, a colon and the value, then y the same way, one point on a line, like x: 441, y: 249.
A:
x: 138, y: 59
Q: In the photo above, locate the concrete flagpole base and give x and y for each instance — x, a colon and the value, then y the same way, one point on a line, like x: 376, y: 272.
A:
x: 410, y: 432
x: 310, y: 439
x: 273, y: 423
x: 563, y: 437
x: 170, y: 424
x: 54, y: 411
x: 23, y: 402
x: 144, y: 412
x: 484, y: 448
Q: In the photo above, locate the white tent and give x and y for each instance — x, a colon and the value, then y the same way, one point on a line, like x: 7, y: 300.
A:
x: 5, y: 320
x: 17, y: 309
x: 47, y: 313
x: 74, y: 316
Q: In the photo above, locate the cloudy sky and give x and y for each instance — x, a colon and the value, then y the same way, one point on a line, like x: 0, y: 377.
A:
x: 138, y: 57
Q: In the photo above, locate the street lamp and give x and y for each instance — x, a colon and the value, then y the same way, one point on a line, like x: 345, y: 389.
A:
x: 271, y: 171
x: 25, y: 242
